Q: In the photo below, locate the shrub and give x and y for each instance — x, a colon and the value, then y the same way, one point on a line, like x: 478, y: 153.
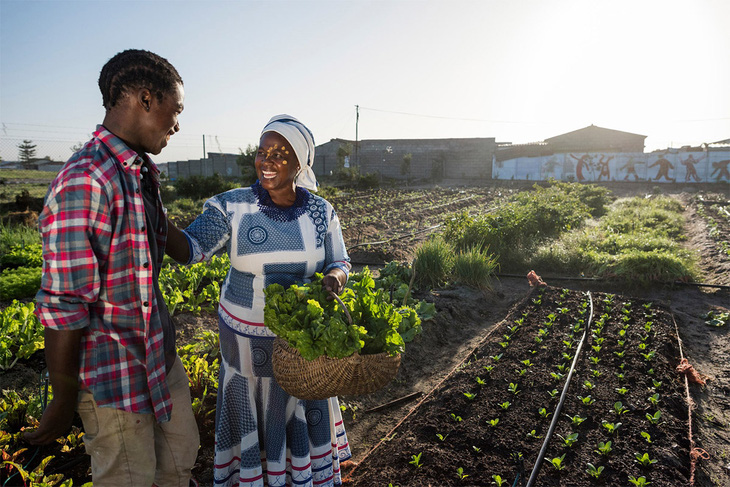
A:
x: 197, y: 187
x: 17, y: 236
x: 433, y: 262
x: 19, y: 283
x: 22, y: 256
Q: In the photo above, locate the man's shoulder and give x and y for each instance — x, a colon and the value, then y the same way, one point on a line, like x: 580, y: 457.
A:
x: 92, y: 161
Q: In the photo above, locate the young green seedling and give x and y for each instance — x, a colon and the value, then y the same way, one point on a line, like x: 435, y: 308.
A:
x: 544, y: 413
x: 460, y: 473
x: 639, y: 482
x: 533, y: 434
x: 469, y: 395
x: 593, y: 471
x: 513, y: 388
x: 441, y: 437
x: 611, y: 427
x: 494, y: 422
x: 619, y: 408
x: 481, y: 381
x: 654, y: 400
x: 646, y: 436
x: 645, y: 460
x: 557, y: 462
x: 416, y: 460
x: 654, y: 418
x: 569, y: 440
x: 576, y: 420
x: 587, y: 400
x: 553, y: 393
x: 604, y: 448
x: 499, y: 481
x: 622, y: 390
x: 455, y: 417
x: 505, y: 405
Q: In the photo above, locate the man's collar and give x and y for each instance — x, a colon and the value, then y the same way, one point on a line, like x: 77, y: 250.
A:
x: 128, y: 158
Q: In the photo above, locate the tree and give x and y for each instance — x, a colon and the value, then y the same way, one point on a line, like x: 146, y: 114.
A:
x: 246, y: 162
x: 405, y: 166
x: 344, y: 151
x: 26, y: 151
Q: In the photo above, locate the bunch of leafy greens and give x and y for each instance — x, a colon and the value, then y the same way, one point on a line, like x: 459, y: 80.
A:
x: 315, y: 326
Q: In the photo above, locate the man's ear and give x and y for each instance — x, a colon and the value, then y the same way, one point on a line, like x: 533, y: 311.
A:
x: 144, y: 98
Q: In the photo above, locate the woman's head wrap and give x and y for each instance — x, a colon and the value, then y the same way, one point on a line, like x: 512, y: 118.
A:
x: 302, y: 141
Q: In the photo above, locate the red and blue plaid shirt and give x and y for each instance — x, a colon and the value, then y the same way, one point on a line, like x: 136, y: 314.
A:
x: 97, y: 275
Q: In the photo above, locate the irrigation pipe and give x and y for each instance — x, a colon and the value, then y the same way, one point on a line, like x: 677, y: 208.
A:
x: 568, y: 278
x: 554, y: 422
x: 430, y: 393
x: 398, y: 237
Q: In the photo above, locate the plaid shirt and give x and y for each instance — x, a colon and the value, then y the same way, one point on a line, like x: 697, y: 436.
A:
x: 97, y: 275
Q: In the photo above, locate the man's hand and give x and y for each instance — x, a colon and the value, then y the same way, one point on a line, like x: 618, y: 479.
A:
x: 335, y: 281
x: 62, y: 358
x: 56, y: 421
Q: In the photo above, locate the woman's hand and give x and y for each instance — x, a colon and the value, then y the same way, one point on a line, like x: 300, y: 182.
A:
x: 335, y: 281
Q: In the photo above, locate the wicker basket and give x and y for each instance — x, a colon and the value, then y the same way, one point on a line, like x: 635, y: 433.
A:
x: 326, y: 377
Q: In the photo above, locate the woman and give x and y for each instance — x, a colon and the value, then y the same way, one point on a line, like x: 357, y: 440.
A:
x: 275, y: 231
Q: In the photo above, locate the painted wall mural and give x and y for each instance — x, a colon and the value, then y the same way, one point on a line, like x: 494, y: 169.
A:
x: 680, y: 167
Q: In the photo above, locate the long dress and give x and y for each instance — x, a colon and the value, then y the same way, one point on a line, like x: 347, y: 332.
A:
x: 264, y: 436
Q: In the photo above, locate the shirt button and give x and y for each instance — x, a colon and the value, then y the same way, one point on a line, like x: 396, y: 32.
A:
x: 145, y: 304
x: 146, y: 265
x: 142, y: 229
x: 137, y: 190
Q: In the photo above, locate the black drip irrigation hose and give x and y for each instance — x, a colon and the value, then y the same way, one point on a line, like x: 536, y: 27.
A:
x: 554, y: 422
x: 569, y: 278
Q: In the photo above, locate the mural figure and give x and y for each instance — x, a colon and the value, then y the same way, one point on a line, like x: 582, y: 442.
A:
x: 691, y: 172
x: 721, y: 167
x: 605, y: 170
x: 630, y: 168
x: 548, y: 168
x: 583, y: 162
x: 664, y: 166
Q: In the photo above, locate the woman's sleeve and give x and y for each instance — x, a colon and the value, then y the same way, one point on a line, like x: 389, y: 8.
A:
x: 335, y: 251
x: 209, y: 232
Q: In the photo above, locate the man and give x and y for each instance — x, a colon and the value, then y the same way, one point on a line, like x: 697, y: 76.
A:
x: 110, y: 342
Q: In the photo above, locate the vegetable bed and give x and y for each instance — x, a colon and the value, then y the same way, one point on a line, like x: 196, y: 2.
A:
x: 489, y: 418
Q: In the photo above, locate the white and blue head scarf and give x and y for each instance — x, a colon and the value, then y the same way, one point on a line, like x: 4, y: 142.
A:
x: 302, y: 141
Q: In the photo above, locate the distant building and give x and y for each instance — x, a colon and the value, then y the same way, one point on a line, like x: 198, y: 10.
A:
x: 430, y: 158
x: 588, y: 139
x: 220, y: 163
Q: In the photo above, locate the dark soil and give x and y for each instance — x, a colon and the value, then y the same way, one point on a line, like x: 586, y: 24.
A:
x: 482, y: 450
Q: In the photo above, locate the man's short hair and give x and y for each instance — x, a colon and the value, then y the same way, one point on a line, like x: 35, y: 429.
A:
x: 134, y: 69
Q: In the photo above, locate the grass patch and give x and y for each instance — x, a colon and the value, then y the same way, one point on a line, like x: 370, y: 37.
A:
x: 637, y: 241
x: 24, y: 174
x: 433, y: 263
x: 475, y: 267
x: 13, y: 236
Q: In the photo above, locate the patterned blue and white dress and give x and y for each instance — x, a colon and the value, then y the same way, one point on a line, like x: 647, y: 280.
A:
x: 264, y: 436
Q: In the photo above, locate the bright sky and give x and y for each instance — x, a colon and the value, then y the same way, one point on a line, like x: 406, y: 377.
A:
x: 517, y: 70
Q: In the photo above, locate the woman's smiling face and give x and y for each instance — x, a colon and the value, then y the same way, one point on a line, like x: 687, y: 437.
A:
x: 276, y: 163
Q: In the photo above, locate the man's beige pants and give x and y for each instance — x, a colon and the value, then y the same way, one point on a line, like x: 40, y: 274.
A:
x: 133, y: 450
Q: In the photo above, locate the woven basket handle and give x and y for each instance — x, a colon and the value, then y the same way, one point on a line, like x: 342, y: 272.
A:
x: 347, y: 313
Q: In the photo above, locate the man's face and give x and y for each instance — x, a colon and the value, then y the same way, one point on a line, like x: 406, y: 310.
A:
x: 276, y: 163
x: 160, y: 122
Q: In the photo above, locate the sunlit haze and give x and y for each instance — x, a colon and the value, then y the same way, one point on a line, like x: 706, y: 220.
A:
x: 518, y: 71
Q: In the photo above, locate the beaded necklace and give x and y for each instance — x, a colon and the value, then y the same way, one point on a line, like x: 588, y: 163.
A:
x: 276, y: 213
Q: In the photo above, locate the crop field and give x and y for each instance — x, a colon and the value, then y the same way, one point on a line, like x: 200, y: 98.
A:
x: 478, y: 390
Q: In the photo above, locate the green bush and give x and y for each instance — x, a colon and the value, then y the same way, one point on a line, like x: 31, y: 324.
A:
x: 198, y: 187
x: 19, y: 283
x: 22, y: 256
x: 515, y: 230
x: 433, y: 262
x: 17, y: 236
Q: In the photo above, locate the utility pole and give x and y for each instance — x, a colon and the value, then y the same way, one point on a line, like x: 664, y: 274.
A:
x: 357, y: 148
x: 203, y: 146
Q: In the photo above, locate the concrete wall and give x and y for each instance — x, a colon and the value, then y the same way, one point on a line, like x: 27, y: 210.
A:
x: 439, y: 158
x: 216, y: 163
